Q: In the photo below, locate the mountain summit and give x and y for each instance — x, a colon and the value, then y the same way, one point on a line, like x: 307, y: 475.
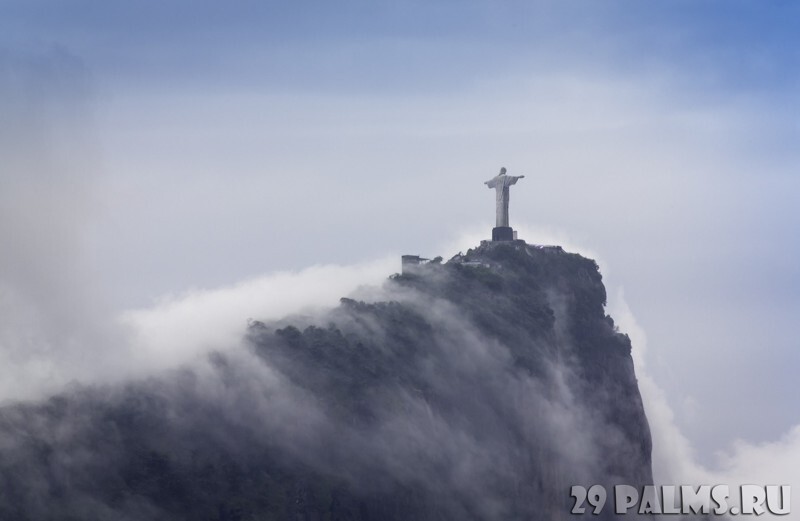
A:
x: 477, y: 389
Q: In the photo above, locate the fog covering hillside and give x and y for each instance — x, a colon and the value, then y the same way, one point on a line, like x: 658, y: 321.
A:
x: 477, y: 389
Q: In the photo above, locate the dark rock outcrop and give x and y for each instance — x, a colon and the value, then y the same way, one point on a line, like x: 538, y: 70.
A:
x: 481, y: 388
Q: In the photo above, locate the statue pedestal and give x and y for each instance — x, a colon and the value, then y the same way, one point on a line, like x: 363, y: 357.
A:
x: 502, y: 233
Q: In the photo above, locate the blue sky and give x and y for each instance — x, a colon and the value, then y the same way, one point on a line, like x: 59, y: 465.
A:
x: 392, y: 47
x: 156, y: 147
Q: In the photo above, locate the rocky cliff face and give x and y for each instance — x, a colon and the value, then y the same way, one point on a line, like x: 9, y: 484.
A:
x: 481, y: 388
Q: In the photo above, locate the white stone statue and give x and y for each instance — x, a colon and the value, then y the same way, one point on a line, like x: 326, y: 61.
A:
x: 500, y: 183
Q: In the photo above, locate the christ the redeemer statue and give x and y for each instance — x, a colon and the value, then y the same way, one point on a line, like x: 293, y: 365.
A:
x: 500, y: 183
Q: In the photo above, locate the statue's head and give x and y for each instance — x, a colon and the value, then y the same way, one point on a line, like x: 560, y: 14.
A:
x: 503, y: 171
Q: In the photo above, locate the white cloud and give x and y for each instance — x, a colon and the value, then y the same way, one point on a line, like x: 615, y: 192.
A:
x: 674, y: 459
x: 181, y: 328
